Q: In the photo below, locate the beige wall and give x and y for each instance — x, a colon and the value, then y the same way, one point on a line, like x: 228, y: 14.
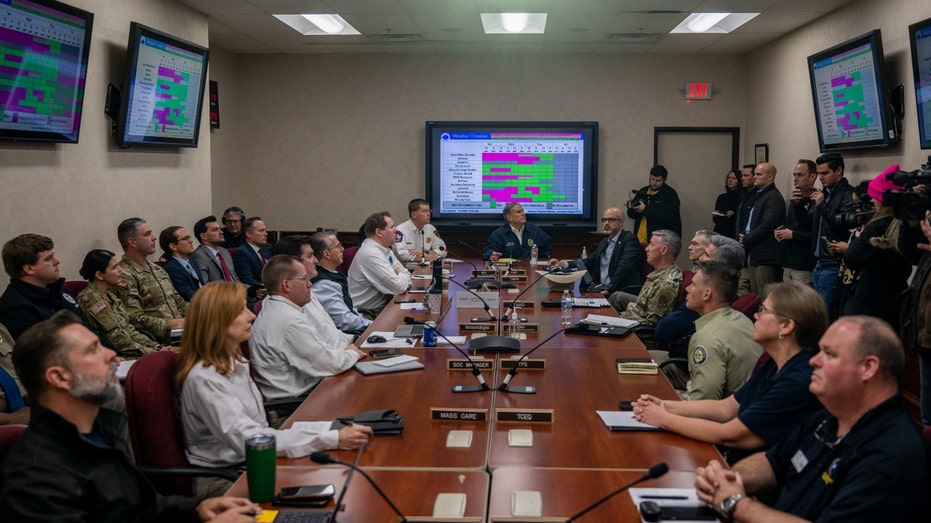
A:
x: 78, y: 193
x: 324, y: 140
x: 779, y: 106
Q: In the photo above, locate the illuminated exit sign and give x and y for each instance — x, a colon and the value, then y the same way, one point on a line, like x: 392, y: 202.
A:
x: 698, y: 91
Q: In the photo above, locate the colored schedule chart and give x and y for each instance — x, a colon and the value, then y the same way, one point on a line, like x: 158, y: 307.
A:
x: 847, y: 94
x: 40, y: 66
x: 542, y: 171
x: 166, y: 95
x: 923, y: 87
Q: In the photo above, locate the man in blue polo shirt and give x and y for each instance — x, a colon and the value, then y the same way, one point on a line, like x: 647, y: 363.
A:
x: 863, y: 460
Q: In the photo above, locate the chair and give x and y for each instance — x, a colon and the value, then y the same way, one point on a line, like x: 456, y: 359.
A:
x: 646, y: 332
x: 74, y: 287
x: 747, y: 304
x: 9, y: 435
x: 155, y: 425
x: 348, y: 256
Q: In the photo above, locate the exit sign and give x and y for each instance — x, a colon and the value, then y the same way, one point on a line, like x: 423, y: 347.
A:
x: 698, y: 91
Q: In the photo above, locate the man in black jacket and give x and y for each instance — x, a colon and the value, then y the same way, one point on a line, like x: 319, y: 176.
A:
x: 655, y: 207
x: 767, y: 212
x: 72, y: 463
x: 796, y: 237
x: 831, y: 205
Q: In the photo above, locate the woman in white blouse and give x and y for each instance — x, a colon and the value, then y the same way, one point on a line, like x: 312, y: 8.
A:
x: 220, y: 404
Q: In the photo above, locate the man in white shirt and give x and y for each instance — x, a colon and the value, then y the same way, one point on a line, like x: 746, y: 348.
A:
x: 376, y: 273
x: 294, y: 342
x: 416, y: 240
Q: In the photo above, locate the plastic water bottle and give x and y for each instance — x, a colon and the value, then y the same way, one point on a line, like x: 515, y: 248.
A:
x: 566, y: 308
x: 584, y: 252
x: 534, y: 254
x: 514, y: 325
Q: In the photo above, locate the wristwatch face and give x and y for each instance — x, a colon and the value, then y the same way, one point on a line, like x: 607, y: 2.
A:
x: 730, y: 503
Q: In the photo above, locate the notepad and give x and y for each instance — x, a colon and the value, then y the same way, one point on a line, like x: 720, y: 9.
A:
x: 637, y: 366
x: 623, y: 420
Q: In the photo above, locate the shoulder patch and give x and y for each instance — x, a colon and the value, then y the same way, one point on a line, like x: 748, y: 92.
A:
x: 699, y: 356
x: 67, y: 297
x: 99, y: 306
x: 530, y: 242
x: 662, y: 300
x: 398, y: 236
x: 123, y: 283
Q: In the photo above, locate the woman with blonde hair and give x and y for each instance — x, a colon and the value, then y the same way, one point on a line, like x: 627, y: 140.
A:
x: 220, y: 404
x: 775, y: 399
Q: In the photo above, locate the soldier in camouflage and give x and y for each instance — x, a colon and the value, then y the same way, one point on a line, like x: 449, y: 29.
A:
x: 659, y: 293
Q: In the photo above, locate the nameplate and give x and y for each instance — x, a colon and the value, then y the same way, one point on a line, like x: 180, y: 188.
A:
x: 522, y: 327
x: 528, y: 364
x: 520, y: 304
x: 487, y: 273
x: 514, y: 277
x: 467, y: 300
x: 478, y: 327
x: 524, y: 415
x: 463, y: 364
x: 440, y: 414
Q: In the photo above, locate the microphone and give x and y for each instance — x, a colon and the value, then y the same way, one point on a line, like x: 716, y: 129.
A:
x: 526, y: 389
x: 497, y: 342
x: 325, y: 459
x: 521, y: 293
x: 655, y: 471
x: 488, y: 311
x: 423, y: 249
x: 475, y: 372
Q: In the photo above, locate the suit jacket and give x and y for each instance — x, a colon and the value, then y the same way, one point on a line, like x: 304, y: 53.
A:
x: 248, y: 264
x: 184, y: 283
x: 626, y: 262
x: 768, y: 212
x: 210, y: 269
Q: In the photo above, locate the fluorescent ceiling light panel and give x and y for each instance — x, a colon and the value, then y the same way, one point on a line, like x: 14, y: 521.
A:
x: 318, y: 24
x: 698, y: 23
x: 514, y: 23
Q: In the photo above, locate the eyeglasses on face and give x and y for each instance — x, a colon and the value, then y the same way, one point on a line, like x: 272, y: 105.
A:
x: 305, y: 278
x: 761, y: 310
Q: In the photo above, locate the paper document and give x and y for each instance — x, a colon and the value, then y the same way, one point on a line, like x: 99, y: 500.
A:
x: 669, y: 497
x: 623, y: 420
x: 418, y: 307
x: 614, y: 321
x: 314, y: 427
x: 123, y: 369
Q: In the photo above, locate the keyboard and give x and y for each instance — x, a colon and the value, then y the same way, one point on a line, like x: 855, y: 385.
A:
x: 409, y: 331
x: 303, y: 516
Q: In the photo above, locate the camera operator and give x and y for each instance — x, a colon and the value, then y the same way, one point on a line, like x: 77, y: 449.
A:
x: 655, y: 207
x: 831, y: 203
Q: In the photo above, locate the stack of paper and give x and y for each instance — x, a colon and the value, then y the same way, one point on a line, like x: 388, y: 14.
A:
x: 636, y: 366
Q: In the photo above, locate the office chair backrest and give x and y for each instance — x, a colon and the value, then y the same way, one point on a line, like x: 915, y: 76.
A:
x: 74, y: 287
x: 9, y: 435
x: 748, y: 304
x: 348, y: 255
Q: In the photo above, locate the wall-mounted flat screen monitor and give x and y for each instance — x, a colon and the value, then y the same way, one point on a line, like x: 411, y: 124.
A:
x: 44, y: 47
x: 162, y: 97
x: 919, y: 35
x: 850, y: 97
x: 474, y: 168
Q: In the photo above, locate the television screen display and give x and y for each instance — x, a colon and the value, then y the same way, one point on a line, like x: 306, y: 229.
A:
x: 162, y: 98
x: 919, y: 36
x: 43, y: 69
x: 850, y: 99
x: 474, y: 168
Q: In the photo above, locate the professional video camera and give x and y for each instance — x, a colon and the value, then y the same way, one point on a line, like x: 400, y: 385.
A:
x: 910, y: 204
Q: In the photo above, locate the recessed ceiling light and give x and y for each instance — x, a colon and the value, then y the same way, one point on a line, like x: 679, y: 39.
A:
x: 514, y: 23
x: 713, y: 22
x: 318, y: 24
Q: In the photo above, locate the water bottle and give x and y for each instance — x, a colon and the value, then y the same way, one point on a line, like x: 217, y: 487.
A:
x: 584, y: 252
x: 514, y: 325
x: 566, y: 308
x: 534, y: 254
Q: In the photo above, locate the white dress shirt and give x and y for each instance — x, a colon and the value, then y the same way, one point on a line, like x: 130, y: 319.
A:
x: 294, y: 348
x: 219, y: 412
x: 372, y: 276
x: 410, y: 238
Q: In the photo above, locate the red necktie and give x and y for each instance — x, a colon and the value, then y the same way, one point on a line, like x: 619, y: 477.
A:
x: 226, y: 269
x: 262, y: 257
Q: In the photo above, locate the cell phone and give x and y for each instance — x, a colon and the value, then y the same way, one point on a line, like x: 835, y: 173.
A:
x: 307, y: 495
x: 689, y: 513
x: 380, y: 354
x: 626, y: 405
x: 405, y: 301
x: 804, y: 192
x: 825, y: 239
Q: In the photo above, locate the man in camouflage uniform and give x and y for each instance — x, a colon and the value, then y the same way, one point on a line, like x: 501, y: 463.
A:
x: 151, y: 300
x: 658, y: 295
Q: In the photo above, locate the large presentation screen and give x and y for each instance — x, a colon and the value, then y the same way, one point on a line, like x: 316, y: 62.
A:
x: 163, y: 94
x: 44, y: 47
x: 475, y: 168
x: 849, y: 94
x: 920, y: 39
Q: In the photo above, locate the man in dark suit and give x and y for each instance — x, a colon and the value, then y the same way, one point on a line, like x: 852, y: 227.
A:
x: 252, y: 255
x: 185, y: 274
x: 214, y: 260
x: 767, y: 212
x: 617, y: 263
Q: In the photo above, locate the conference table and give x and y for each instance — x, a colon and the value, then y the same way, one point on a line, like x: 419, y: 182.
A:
x: 571, y: 448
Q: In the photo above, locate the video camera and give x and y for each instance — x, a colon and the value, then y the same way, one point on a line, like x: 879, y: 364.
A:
x: 909, y: 204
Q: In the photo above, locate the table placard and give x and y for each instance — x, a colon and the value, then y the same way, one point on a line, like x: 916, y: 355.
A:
x: 522, y: 327
x: 455, y: 414
x: 478, y: 327
x: 522, y: 304
x: 514, y: 277
x: 463, y: 364
x: 509, y: 415
x: 526, y: 364
x: 467, y: 300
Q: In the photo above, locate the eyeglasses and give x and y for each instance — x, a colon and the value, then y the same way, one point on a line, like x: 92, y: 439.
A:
x: 823, y: 435
x: 187, y: 238
x: 337, y: 246
x: 612, y: 220
x: 761, y: 310
x: 305, y: 278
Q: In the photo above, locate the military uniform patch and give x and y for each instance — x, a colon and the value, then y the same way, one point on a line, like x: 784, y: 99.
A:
x: 699, y: 356
x: 99, y: 306
x: 398, y: 236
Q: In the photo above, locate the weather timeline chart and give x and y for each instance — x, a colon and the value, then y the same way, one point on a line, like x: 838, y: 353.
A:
x: 847, y: 92
x: 486, y: 170
x: 166, y: 95
x: 39, y: 68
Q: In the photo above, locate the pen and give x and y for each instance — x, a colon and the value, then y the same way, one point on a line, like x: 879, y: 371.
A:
x: 664, y: 497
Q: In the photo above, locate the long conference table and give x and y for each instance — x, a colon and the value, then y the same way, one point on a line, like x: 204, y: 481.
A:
x: 574, y: 458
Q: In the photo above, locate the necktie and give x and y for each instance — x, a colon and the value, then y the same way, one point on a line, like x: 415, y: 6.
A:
x: 226, y: 269
x: 262, y: 257
x: 193, y: 273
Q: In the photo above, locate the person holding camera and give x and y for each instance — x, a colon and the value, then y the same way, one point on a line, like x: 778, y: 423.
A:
x: 655, y: 207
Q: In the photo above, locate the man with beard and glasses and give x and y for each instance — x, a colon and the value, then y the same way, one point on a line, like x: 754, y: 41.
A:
x: 72, y: 462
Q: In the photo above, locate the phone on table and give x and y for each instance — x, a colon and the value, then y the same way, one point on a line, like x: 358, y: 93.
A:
x: 626, y: 405
x: 307, y: 495
x: 688, y: 513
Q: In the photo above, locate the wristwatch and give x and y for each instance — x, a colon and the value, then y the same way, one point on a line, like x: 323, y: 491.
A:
x: 730, y: 504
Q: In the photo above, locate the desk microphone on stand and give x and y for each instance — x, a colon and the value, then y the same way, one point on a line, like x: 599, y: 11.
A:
x: 482, y: 386
x: 326, y: 459
x: 524, y: 389
x: 655, y: 471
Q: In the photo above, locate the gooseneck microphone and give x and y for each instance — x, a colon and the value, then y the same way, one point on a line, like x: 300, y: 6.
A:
x: 655, y: 471
x: 423, y: 249
x: 524, y: 389
x: 475, y: 372
x: 325, y: 459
